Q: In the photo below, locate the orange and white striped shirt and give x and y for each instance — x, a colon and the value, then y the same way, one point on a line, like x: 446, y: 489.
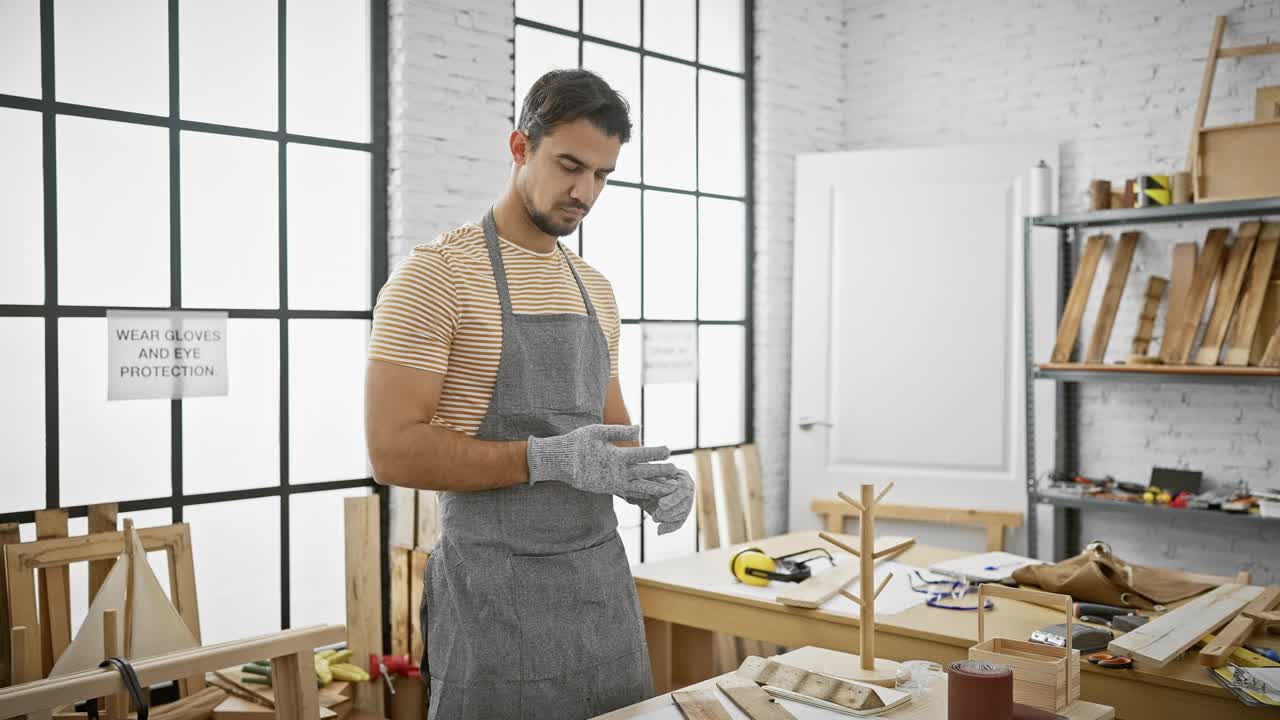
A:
x: 439, y: 312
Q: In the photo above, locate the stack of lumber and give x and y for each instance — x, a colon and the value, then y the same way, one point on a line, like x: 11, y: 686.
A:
x: 1223, y: 301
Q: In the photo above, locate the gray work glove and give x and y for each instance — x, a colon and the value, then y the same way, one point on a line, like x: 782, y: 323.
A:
x: 671, y: 510
x: 587, y: 459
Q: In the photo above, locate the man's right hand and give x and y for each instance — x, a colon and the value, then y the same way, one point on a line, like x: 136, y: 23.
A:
x: 587, y: 459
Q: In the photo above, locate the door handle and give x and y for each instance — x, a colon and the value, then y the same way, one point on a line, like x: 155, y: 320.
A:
x: 808, y: 423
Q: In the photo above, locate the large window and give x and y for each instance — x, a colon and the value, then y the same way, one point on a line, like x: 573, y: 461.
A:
x: 182, y: 154
x: 672, y: 232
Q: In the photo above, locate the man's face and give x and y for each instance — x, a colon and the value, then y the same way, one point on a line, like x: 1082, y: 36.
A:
x: 563, y: 177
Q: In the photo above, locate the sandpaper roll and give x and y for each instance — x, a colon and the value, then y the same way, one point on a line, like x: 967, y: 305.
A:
x: 978, y: 690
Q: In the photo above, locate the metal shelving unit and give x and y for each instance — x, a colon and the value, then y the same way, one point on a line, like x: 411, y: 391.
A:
x: 1068, y: 376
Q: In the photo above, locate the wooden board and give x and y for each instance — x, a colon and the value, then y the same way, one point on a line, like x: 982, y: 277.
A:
x: 1158, y: 642
x: 1185, y: 256
x: 700, y: 705
x: 803, y: 682
x: 1244, y: 325
x: 1271, y: 356
x: 400, y: 600
x: 1147, y: 319
x: 1224, y: 305
x: 1215, y: 653
x: 815, y: 591
x: 735, y: 511
x: 1206, y: 85
x: 751, y: 699
x: 754, y: 487
x: 1176, y: 349
x: 364, y: 591
x: 708, y: 523
x: 8, y: 536
x: 55, y: 594
x: 1266, y: 104
x: 1069, y: 325
x: 1120, y: 262
x: 102, y: 518
x: 1268, y: 321
x: 418, y: 571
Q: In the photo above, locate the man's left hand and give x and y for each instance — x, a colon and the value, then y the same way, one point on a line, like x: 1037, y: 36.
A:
x: 671, y: 510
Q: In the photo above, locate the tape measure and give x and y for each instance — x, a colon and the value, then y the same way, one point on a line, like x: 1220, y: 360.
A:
x: 753, y: 566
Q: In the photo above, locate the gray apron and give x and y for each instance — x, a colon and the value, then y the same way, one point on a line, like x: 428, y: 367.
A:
x: 529, y: 608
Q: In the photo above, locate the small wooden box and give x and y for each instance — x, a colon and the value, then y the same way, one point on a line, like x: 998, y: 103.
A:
x: 1040, y: 672
x: 1237, y: 162
x: 1044, y: 676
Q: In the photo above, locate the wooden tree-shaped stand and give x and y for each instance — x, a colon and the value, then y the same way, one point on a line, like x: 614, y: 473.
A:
x: 870, y: 670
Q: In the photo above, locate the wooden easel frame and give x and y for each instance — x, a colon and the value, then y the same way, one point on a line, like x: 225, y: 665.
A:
x: 1216, y: 52
x: 23, y: 560
x: 290, y: 652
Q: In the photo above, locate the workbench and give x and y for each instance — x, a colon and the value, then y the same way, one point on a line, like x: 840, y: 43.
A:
x: 681, y: 614
x: 830, y: 662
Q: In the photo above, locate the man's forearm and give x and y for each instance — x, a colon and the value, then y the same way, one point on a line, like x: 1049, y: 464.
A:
x: 430, y: 457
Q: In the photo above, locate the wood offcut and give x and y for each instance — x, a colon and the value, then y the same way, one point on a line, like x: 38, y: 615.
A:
x: 700, y: 705
x: 1244, y: 326
x: 1069, y: 326
x: 1147, y: 319
x: 1229, y: 285
x: 1176, y: 348
x: 803, y: 682
x: 753, y: 701
x: 1160, y: 641
x: 1216, y: 652
x: 1120, y: 262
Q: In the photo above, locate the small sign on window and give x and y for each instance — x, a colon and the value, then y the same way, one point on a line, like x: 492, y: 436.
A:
x: 166, y: 354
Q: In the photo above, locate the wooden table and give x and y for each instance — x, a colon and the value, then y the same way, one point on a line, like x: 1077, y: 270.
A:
x: 933, y: 707
x: 680, y: 617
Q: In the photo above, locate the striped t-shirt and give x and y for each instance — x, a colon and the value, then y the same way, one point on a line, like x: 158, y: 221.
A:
x: 439, y: 312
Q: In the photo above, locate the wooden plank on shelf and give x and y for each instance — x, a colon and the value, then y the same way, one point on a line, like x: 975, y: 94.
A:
x: 1069, y: 325
x: 699, y: 705
x: 8, y: 536
x: 1271, y: 356
x: 708, y: 523
x: 815, y: 591
x: 735, y: 511
x: 1268, y: 321
x: 102, y: 518
x: 1216, y: 652
x: 1147, y: 319
x: 1120, y: 262
x: 1163, y: 639
x: 1176, y: 349
x: 1224, y: 305
x: 55, y: 593
x: 1244, y: 326
x: 418, y: 571
x: 364, y: 591
x: 1185, y: 256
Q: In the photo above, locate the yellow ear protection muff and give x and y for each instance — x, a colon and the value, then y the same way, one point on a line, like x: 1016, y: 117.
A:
x: 753, y: 567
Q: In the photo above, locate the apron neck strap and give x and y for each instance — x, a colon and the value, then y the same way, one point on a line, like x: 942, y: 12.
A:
x: 500, y: 270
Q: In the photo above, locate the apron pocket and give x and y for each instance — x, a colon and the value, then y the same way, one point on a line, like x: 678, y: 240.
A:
x: 575, y: 610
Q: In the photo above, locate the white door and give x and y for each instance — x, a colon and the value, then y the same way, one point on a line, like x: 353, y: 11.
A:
x: 907, y: 344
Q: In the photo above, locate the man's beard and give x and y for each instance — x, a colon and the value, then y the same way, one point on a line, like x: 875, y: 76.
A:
x: 544, y: 222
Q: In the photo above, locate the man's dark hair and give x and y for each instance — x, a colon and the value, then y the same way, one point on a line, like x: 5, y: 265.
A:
x: 563, y: 96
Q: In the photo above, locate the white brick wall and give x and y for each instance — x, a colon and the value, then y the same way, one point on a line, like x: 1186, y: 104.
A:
x: 452, y: 86
x: 799, y: 107
x: 1117, y: 82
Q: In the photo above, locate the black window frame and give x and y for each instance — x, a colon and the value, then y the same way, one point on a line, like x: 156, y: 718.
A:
x: 51, y: 311
x: 747, y: 75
